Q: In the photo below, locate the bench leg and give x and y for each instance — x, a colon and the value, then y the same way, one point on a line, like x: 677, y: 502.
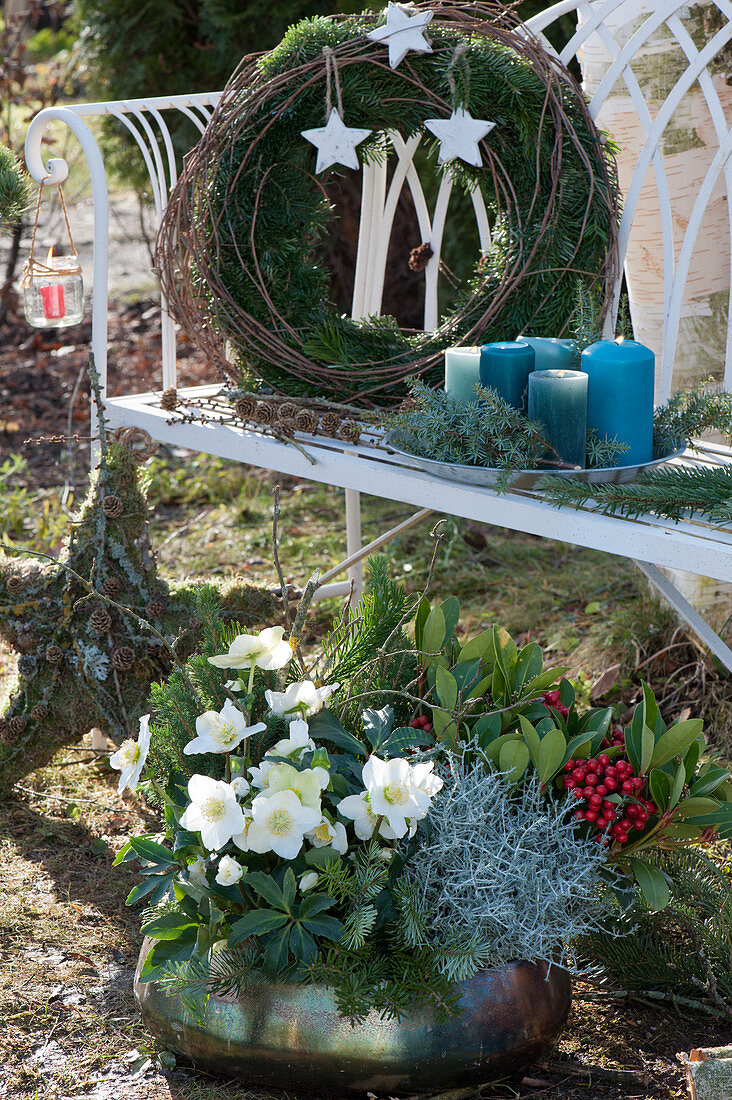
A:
x: 353, y: 542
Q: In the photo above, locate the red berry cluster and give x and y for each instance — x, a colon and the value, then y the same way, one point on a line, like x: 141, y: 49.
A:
x: 554, y: 699
x: 592, y: 780
x: 421, y: 722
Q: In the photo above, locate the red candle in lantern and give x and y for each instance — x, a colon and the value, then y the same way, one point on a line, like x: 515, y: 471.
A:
x: 54, y: 306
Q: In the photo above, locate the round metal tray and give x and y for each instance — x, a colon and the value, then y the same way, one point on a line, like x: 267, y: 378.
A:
x: 489, y: 476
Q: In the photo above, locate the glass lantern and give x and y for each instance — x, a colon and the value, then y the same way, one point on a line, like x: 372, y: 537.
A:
x: 53, y: 292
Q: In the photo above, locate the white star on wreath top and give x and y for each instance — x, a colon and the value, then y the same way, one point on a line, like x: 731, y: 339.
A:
x: 336, y: 143
x: 459, y: 136
x: 402, y: 32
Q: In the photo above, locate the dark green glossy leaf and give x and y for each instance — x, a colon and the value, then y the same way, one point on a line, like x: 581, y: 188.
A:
x: 326, y: 726
x: 377, y: 725
x: 256, y: 923
x: 652, y: 883
x: 267, y: 888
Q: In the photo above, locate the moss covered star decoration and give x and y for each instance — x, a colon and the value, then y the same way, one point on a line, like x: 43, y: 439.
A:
x: 87, y: 659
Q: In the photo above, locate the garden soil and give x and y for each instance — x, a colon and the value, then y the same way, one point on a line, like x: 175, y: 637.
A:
x: 68, y: 945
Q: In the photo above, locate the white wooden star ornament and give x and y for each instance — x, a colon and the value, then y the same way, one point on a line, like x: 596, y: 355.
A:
x: 403, y: 31
x: 336, y: 143
x: 459, y: 136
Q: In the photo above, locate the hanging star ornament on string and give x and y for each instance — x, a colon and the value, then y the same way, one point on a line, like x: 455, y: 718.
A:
x: 459, y: 136
x: 403, y: 31
x: 336, y: 143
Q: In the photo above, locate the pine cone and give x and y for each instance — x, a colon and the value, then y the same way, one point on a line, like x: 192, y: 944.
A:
x: 265, y: 413
x: 15, y: 585
x: 113, y: 506
x: 287, y: 426
x: 245, y: 407
x: 100, y: 621
x: 155, y: 609
x: 123, y: 658
x: 40, y: 711
x: 17, y: 725
x: 111, y: 587
x: 169, y: 400
x: 350, y: 430
x: 330, y: 422
x: 419, y: 257
x: 54, y: 654
x: 26, y: 664
x: 287, y: 411
x: 307, y: 421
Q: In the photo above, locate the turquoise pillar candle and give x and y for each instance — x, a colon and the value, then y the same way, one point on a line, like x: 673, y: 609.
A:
x: 462, y: 373
x: 553, y: 354
x: 558, y: 399
x: 620, y: 395
x: 505, y: 366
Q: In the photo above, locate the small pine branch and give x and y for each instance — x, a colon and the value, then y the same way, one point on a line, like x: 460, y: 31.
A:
x: 673, y: 493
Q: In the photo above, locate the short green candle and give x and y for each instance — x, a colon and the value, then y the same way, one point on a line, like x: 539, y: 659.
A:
x: 462, y: 373
x: 552, y: 353
x: 558, y: 399
x: 505, y: 366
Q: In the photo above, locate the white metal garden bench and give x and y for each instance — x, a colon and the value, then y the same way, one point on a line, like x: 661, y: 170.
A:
x: 692, y: 546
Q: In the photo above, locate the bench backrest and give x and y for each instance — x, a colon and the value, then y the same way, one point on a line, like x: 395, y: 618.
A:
x: 617, y: 41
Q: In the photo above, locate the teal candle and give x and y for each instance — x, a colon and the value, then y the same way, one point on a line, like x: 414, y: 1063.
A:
x: 505, y: 366
x: 620, y: 396
x: 558, y: 399
x: 462, y: 373
x: 552, y: 353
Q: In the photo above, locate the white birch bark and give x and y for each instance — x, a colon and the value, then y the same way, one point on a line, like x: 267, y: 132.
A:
x: 688, y: 146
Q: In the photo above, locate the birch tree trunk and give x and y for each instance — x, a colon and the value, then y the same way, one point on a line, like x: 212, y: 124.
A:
x: 688, y: 145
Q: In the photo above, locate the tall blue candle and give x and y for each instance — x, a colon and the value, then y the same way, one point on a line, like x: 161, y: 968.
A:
x: 553, y: 353
x: 620, y: 396
x: 462, y: 373
x: 505, y: 366
x: 558, y: 399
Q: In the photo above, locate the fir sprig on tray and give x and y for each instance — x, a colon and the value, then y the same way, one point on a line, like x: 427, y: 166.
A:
x: 672, y: 493
x: 486, y: 432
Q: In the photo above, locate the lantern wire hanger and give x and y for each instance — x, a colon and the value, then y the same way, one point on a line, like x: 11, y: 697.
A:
x: 33, y: 267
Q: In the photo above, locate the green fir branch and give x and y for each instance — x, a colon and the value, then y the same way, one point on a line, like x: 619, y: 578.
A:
x: 672, y: 493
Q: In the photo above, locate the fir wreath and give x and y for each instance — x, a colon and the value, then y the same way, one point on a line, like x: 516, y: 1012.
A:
x: 238, y: 248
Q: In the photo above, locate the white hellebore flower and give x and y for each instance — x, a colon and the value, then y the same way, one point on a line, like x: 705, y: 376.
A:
x: 229, y: 871
x: 306, y: 785
x: 279, y: 823
x: 260, y: 774
x: 239, y: 786
x: 296, y: 744
x: 357, y: 808
x: 264, y: 650
x: 221, y: 731
x: 197, y: 871
x: 326, y: 833
x: 430, y: 784
x: 130, y: 757
x: 213, y: 812
x: 308, y: 880
x: 394, y: 793
x: 300, y: 700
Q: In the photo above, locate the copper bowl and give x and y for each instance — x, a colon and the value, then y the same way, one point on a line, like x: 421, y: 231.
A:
x: 293, y: 1037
